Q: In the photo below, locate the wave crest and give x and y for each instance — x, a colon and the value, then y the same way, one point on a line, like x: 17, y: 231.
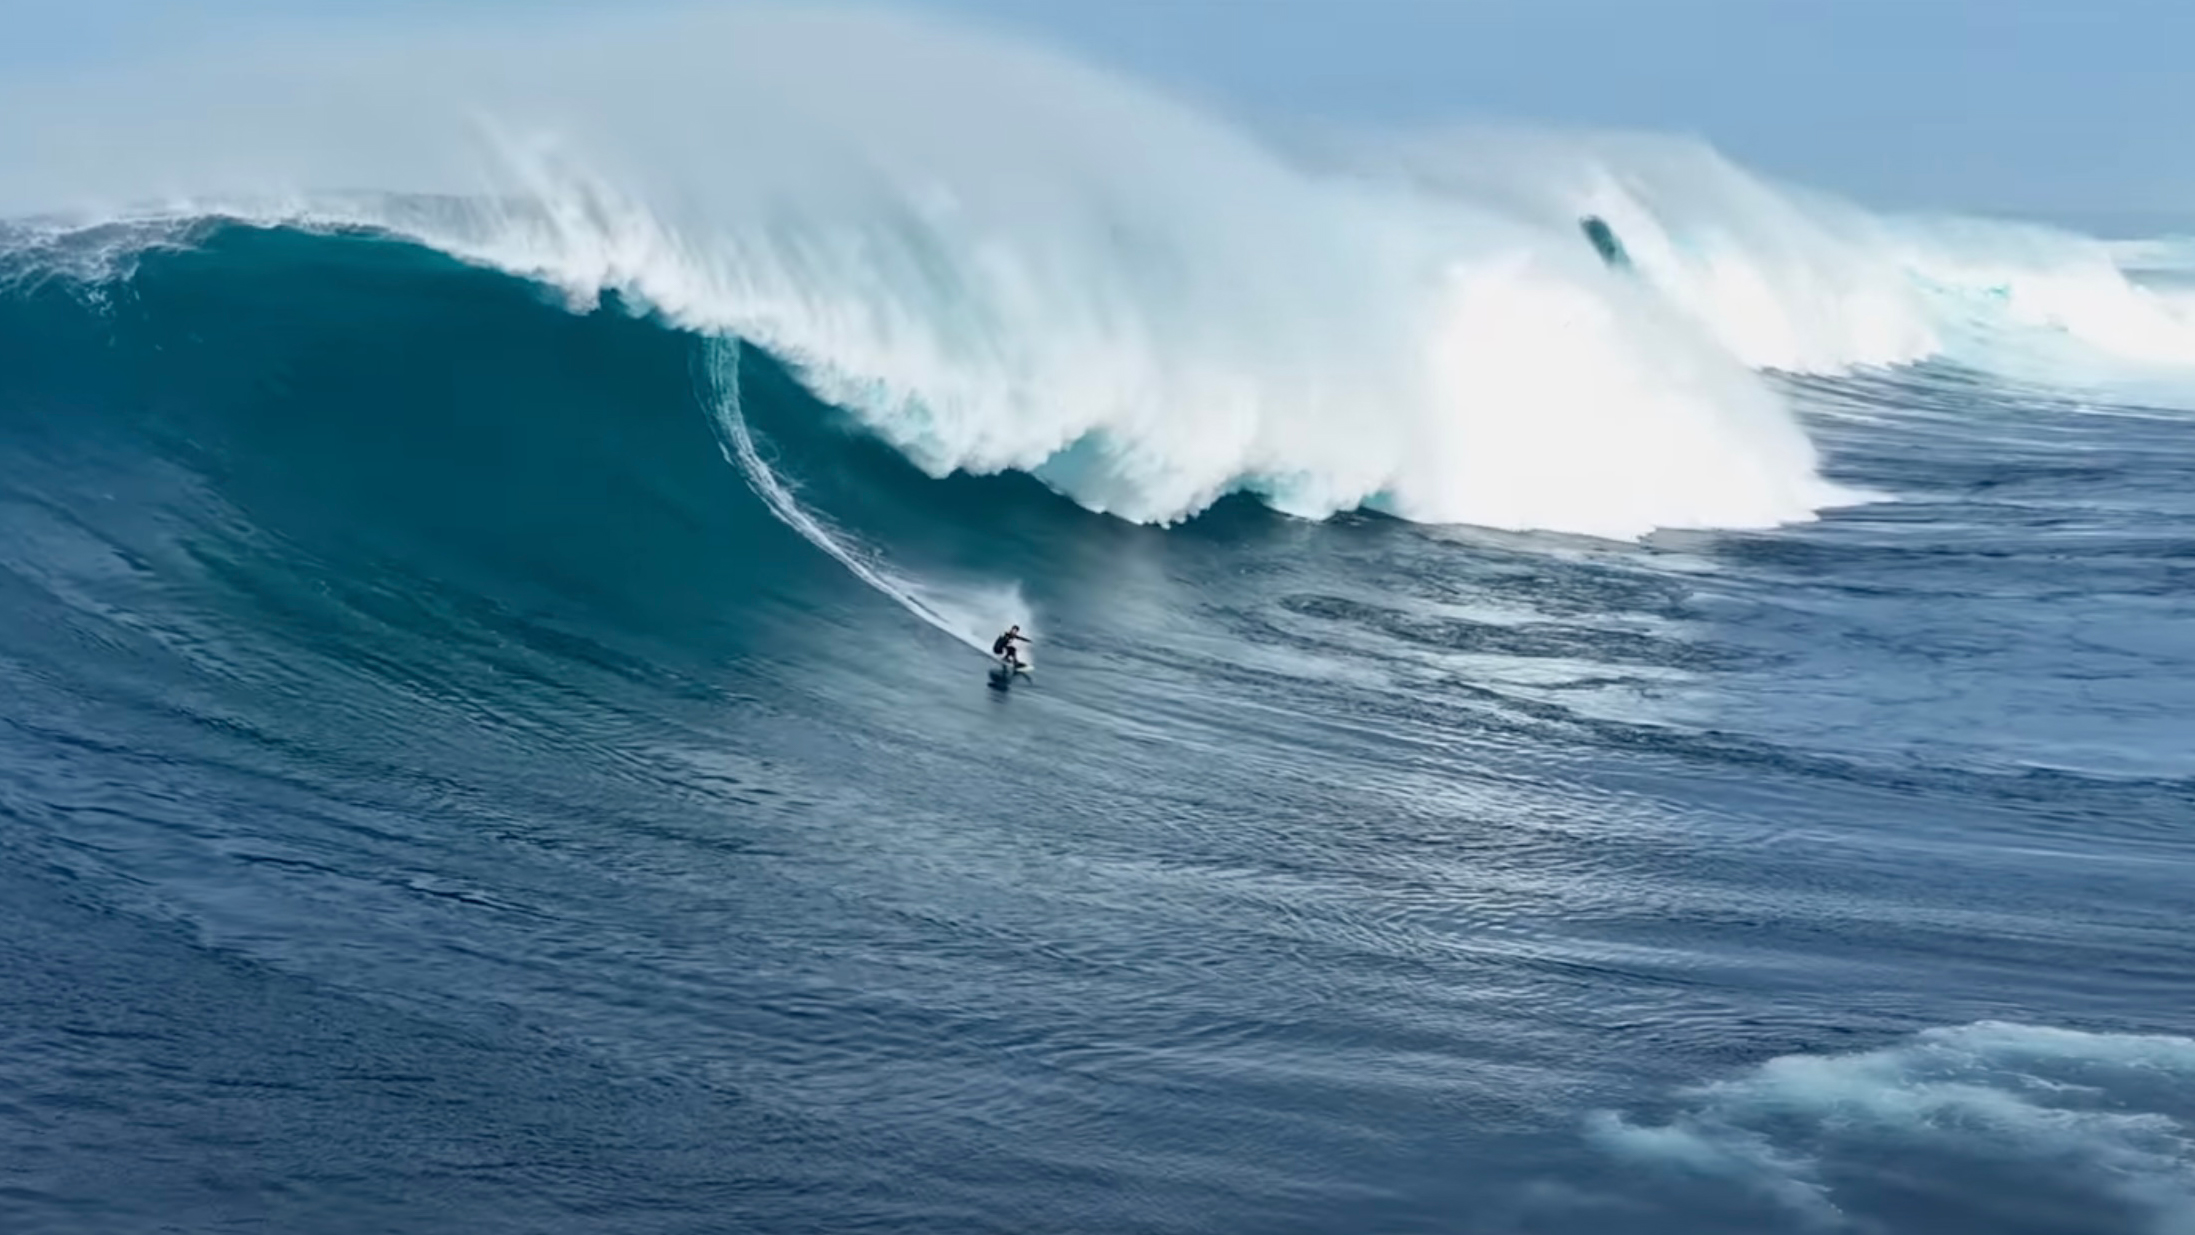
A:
x: 1001, y: 259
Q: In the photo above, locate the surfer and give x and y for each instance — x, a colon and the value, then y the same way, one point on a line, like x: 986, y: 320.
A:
x: 1003, y: 646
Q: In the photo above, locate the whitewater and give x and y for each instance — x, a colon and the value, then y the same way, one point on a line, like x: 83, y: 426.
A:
x: 1141, y: 303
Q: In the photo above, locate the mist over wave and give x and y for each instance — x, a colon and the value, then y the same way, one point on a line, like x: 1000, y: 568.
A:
x: 1003, y: 259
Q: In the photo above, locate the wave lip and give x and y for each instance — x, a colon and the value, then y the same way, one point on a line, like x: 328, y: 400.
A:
x: 2046, y: 1118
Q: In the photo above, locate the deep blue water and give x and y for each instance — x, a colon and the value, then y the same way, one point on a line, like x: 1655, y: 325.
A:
x: 437, y: 795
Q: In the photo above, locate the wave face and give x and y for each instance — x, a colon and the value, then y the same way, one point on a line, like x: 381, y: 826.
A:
x: 388, y: 408
x: 1140, y: 304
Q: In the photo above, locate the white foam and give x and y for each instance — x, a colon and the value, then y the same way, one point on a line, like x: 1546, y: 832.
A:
x: 1000, y: 259
x: 1791, y: 279
x: 2113, y: 1114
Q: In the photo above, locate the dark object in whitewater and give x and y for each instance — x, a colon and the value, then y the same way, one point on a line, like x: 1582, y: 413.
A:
x: 1604, y: 240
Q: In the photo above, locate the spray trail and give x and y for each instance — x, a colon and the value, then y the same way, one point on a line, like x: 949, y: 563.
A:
x: 963, y: 620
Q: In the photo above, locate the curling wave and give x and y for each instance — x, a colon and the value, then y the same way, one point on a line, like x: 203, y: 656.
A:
x: 1141, y: 305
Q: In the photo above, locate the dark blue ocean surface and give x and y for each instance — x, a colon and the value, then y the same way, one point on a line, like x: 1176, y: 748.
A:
x: 437, y: 794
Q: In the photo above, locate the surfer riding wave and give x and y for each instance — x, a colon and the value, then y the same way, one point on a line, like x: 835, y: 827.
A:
x: 1003, y: 647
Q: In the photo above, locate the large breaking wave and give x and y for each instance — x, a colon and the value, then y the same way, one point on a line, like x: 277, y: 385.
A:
x: 1002, y: 259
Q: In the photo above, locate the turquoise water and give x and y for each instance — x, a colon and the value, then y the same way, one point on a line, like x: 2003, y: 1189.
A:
x: 439, y: 794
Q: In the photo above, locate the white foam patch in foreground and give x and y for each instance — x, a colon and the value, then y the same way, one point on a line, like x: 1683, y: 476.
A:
x: 2039, y: 1113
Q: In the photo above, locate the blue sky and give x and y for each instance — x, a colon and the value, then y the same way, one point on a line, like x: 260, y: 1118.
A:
x: 2076, y: 110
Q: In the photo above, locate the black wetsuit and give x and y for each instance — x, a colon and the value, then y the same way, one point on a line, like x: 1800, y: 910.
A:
x: 1004, y: 647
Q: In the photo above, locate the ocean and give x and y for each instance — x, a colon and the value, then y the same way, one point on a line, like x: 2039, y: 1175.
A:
x: 499, y: 734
